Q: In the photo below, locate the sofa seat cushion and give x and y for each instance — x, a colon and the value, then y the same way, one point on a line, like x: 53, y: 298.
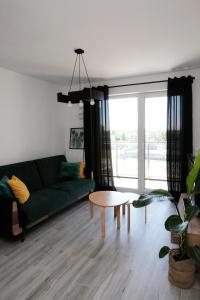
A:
x: 76, y: 188
x: 43, y: 203
x: 49, y: 169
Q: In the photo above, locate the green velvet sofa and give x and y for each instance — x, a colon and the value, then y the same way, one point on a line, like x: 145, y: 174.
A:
x: 48, y: 193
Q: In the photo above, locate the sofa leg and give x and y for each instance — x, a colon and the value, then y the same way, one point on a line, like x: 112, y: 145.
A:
x: 16, y: 229
x: 22, y: 236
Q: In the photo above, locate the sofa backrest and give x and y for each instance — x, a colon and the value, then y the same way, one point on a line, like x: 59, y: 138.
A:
x: 49, y: 169
x: 26, y: 171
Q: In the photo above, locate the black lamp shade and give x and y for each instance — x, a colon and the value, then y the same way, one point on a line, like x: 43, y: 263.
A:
x: 86, y: 95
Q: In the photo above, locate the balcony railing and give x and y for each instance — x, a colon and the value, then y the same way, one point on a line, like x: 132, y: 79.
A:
x: 125, y: 160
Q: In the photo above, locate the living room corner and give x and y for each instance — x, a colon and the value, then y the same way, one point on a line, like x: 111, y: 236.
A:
x: 100, y: 150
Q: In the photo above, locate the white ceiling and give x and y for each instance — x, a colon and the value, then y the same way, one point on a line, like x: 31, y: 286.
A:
x: 120, y: 37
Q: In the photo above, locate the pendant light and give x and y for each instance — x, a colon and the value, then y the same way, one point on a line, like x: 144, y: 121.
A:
x: 90, y: 94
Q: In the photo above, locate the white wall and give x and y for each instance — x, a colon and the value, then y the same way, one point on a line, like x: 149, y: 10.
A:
x: 66, y: 118
x: 27, y: 120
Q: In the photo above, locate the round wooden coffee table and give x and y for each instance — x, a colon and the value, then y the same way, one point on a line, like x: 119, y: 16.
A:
x: 107, y: 199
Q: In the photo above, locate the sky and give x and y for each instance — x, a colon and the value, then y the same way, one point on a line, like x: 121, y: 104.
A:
x: 124, y: 114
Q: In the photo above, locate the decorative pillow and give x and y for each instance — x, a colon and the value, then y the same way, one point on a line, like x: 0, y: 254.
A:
x: 19, y: 189
x: 82, y: 167
x: 4, y: 188
x: 70, y: 170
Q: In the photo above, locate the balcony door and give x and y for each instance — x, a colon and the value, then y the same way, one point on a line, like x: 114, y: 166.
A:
x: 138, y: 125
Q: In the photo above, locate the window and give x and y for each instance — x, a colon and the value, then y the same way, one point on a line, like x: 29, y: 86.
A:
x: 124, y: 141
x: 138, y: 140
x: 155, y: 142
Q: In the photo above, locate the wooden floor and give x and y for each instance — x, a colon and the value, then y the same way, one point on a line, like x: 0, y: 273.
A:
x: 65, y: 258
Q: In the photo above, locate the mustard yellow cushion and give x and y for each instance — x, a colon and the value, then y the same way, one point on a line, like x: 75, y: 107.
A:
x: 82, y: 167
x: 19, y: 189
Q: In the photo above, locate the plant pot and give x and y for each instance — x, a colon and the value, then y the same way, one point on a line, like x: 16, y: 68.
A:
x: 181, y: 273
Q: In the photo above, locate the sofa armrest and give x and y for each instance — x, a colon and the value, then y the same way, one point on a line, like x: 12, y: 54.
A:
x: 16, y: 229
x: 9, y: 216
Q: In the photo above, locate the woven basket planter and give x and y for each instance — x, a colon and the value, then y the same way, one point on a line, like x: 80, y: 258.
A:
x: 181, y: 273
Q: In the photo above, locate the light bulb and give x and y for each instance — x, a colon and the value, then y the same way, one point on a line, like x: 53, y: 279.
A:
x: 80, y: 103
x: 92, y: 102
x: 69, y: 104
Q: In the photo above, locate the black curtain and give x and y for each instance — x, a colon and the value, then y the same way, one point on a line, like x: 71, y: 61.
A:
x: 97, y: 142
x: 179, y: 132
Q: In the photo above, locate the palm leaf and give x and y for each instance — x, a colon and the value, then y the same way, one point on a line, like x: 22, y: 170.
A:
x: 191, y: 178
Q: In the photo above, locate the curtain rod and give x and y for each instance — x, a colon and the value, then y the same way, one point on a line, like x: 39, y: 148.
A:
x: 139, y: 83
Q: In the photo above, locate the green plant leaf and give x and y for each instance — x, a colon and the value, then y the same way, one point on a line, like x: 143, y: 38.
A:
x: 194, y: 253
x: 190, y: 212
x: 180, y: 228
x: 153, y: 196
x: 144, y: 196
x: 172, y: 221
x: 164, y: 251
x: 191, y: 178
x: 160, y: 193
x: 143, y: 200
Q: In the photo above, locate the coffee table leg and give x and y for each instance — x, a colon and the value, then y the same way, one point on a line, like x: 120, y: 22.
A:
x: 115, y: 211
x: 118, y: 217
x: 124, y: 209
x: 145, y: 215
x: 91, y: 210
x: 129, y: 217
x: 103, y: 226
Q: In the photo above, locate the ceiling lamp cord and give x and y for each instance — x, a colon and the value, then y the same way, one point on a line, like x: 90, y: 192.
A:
x: 81, y: 101
x: 92, y: 100
x: 78, y: 55
x: 69, y: 102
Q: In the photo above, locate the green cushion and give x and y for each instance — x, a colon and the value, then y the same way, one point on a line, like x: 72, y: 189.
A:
x: 76, y: 188
x: 70, y: 171
x: 4, y: 188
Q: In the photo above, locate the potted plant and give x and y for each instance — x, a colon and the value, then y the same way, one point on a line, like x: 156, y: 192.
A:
x: 181, y: 259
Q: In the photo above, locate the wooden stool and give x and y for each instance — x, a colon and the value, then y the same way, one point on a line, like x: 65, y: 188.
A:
x: 105, y: 199
x: 123, y: 210
x: 129, y: 203
x: 131, y: 197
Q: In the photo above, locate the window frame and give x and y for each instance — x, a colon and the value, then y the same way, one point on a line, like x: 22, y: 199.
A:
x: 141, y: 133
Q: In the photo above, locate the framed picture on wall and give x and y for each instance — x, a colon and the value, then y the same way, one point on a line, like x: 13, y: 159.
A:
x: 76, y: 138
